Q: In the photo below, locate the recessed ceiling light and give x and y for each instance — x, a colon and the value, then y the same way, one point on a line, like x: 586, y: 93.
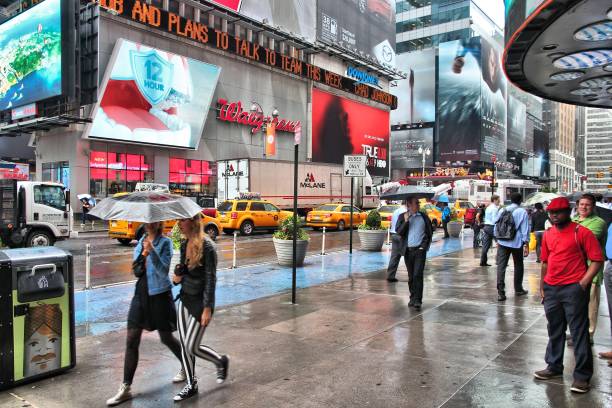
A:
x: 597, y: 82
x: 566, y: 76
x: 584, y: 59
x: 610, y: 14
x: 595, y: 32
x: 549, y: 47
x: 608, y: 68
x: 610, y: 90
x: 592, y: 99
x: 582, y: 92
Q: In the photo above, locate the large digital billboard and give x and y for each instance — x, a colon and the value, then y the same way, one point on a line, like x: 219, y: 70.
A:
x: 416, y: 94
x: 154, y: 97
x: 367, y: 26
x: 341, y: 126
x: 293, y: 16
x: 31, y: 55
x: 459, y: 100
x: 405, y: 148
x: 517, y: 125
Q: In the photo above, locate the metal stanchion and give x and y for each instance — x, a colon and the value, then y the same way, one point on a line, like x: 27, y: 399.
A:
x: 87, y: 266
x: 389, y: 236
x: 323, y: 243
x: 234, y: 251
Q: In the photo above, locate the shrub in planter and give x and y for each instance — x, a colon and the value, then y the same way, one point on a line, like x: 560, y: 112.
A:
x: 371, y: 234
x: 455, y: 225
x: 283, y: 242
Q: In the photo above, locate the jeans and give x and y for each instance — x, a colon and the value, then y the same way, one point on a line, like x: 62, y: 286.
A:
x: 415, y: 263
x: 503, y: 255
x: 396, y: 255
x: 608, y: 285
x: 568, y: 304
x: 539, y: 235
x: 476, y: 241
x: 487, y: 240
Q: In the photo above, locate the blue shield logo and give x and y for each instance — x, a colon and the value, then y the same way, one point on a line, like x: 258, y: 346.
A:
x: 153, y: 75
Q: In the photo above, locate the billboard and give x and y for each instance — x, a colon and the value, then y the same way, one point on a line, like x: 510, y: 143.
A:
x: 517, y: 125
x: 405, y: 148
x: 293, y: 16
x: 31, y: 55
x: 341, y: 126
x: 152, y: 96
x: 416, y: 94
x: 365, y: 26
x: 459, y: 100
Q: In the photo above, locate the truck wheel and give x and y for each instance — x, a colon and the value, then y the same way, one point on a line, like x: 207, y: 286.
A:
x: 341, y: 225
x: 247, y: 228
x: 124, y: 241
x: 212, y: 232
x: 39, y: 238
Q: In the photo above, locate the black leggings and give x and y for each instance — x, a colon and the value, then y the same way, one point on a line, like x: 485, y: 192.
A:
x: 190, y: 334
x: 131, y: 351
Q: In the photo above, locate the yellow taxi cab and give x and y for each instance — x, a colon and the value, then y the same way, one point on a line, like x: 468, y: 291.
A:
x: 386, y: 212
x: 460, y: 207
x: 248, y: 215
x: 336, y: 215
x: 127, y: 231
x: 434, y: 214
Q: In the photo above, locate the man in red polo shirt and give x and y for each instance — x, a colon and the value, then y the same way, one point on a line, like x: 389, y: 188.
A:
x: 565, y: 287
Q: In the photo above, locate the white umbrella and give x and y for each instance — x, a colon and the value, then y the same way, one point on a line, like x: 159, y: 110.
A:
x: 540, y: 197
x: 83, y: 196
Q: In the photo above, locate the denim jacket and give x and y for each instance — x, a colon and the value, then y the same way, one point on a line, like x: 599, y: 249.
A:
x: 158, y: 264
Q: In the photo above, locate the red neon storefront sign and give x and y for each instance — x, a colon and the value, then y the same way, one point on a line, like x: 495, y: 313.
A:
x: 233, y: 112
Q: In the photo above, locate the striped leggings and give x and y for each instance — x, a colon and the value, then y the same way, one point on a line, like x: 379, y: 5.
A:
x: 190, y: 336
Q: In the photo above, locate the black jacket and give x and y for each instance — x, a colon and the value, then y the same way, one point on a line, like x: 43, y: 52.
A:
x: 402, y: 227
x: 201, y: 281
x: 538, y: 221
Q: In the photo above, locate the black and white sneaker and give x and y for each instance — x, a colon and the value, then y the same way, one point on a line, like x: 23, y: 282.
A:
x: 188, y: 391
x: 223, y: 370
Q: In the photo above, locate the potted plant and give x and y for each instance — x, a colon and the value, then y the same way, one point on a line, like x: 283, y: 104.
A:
x: 283, y: 242
x: 371, y: 234
x: 455, y: 225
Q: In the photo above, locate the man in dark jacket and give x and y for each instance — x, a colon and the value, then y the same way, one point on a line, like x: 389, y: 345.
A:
x: 414, y: 227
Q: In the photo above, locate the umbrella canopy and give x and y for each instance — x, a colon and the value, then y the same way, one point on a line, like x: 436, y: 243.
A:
x: 540, y: 197
x: 146, y: 207
x: 83, y: 196
x: 604, y: 213
x: 405, y: 192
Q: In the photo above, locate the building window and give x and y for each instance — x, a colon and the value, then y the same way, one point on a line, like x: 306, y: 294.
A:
x: 193, y: 177
x: 57, y: 172
x: 112, y: 172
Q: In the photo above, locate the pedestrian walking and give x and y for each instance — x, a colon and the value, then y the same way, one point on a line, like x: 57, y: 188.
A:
x: 197, y: 274
x: 587, y: 218
x: 478, y: 225
x: 608, y: 283
x: 415, y: 230
x: 152, y: 307
x: 565, y: 286
x: 538, y: 226
x: 443, y: 207
x: 397, y: 250
x: 489, y: 224
x: 512, y: 232
x: 86, y: 207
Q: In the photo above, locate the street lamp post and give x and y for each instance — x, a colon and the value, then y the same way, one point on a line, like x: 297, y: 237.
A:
x: 424, y: 153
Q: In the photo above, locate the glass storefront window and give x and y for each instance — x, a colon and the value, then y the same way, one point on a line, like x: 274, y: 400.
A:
x: 57, y: 172
x: 192, y: 177
x: 116, y: 172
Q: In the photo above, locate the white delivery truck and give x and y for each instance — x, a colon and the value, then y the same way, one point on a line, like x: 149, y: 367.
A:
x: 34, y: 213
x: 318, y: 183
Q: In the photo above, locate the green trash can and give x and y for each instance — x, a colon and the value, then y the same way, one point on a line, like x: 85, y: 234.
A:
x: 37, y: 338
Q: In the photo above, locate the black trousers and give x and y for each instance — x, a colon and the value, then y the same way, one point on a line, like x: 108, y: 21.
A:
x: 445, y: 226
x: 396, y: 254
x: 503, y: 255
x: 487, y: 241
x: 568, y: 305
x: 415, y: 263
x: 476, y: 241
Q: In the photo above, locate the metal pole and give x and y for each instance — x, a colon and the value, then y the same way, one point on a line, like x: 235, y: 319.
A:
x: 87, y: 266
x: 323, y: 244
x: 234, y: 251
x: 295, y: 222
x: 389, y: 235
x: 423, y: 173
x: 351, y: 221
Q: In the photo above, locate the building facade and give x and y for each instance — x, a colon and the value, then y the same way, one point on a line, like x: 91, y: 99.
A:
x: 560, y: 120
x: 580, y: 146
x: 598, y: 137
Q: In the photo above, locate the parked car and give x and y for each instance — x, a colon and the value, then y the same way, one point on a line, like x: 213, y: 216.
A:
x: 334, y: 215
x: 386, y: 212
x: 434, y: 214
x: 247, y: 216
x: 460, y: 207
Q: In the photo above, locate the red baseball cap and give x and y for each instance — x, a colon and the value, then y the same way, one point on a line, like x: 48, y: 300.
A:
x: 559, y: 203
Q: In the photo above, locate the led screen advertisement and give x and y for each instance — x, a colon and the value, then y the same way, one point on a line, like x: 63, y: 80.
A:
x: 367, y: 26
x: 415, y: 94
x: 152, y: 96
x: 405, y: 148
x: 341, y: 126
x: 31, y: 55
x: 517, y: 125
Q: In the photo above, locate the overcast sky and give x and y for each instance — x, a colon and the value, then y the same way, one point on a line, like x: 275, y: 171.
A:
x: 494, y: 9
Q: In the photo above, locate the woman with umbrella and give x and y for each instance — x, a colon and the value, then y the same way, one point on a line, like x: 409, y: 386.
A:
x: 197, y: 274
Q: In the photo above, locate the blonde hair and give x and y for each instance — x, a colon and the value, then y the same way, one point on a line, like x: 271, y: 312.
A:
x: 196, y: 237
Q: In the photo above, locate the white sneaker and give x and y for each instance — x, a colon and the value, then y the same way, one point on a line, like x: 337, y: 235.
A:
x: 180, y: 376
x: 124, y: 394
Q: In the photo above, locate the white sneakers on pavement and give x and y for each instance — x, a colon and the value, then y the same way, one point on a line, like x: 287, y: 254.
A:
x: 124, y: 394
x: 180, y: 376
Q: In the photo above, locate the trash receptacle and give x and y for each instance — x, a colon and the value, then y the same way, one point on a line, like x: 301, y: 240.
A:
x: 37, y: 338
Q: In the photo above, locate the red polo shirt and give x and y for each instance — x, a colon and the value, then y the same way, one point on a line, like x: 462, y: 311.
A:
x: 561, y: 250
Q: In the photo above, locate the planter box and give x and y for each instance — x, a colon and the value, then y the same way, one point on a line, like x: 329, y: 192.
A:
x: 284, y: 251
x: 454, y: 228
x: 372, y: 240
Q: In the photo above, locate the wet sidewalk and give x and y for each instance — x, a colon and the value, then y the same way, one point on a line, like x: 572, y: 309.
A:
x: 350, y: 342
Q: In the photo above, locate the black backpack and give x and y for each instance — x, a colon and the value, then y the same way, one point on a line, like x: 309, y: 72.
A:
x: 504, y: 227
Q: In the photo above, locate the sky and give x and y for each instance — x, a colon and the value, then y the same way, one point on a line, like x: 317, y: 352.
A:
x: 494, y: 9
